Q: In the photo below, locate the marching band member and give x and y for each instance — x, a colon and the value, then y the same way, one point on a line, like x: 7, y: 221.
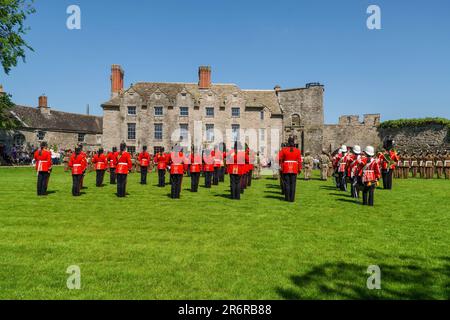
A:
x: 144, y: 161
x: 291, y: 159
x: 335, y: 164
x: 388, y: 161
x: 218, y: 162
x: 78, y: 165
x: 235, y: 167
x: 439, y: 160
x: 124, y: 165
x: 429, y: 165
x: 244, y: 178
x: 251, y: 166
x: 280, y: 169
x: 161, y: 160
x: 414, y: 164
x: 195, y: 169
x: 208, y: 167
x: 176, y: 162
x: 446, y: 159
x: 112, y: 163
x: 43, y: 159
x: 342, y: 166
x: 84, y: 155
x: 370, y: 175
x: 406, y: 165
x: 100, y: 162
x: 352, y: 167
x: 222, y: 165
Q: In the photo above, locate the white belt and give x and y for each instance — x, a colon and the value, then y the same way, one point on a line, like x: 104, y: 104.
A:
x: 429, y: 162
x: 123, y: 163
x: 77, y: 165
x: 42, y: 161
x: 290, y: 161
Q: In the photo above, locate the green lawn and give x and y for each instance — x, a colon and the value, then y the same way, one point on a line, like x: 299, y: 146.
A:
x: 205, y: 246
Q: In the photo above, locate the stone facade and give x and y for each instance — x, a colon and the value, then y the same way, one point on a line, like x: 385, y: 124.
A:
x: 351, y: 131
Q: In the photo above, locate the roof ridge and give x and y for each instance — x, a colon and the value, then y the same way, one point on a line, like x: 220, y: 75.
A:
x: 54, y: 110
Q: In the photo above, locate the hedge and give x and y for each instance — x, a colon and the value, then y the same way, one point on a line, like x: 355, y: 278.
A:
x: 422, y: 122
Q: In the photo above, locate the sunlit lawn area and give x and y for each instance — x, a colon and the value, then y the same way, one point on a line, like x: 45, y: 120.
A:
x: 206, y: 246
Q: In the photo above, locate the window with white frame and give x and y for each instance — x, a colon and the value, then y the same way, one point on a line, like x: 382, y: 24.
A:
x: 235, y: 128
x: 235, y: 112
x: 262, y: 136
x: 158, y: 131
x: 184, y: 111
x: 210, y: 112
x: 132, y: 111
x: 159, y: 111
x: 209, y: 132
x: 131, y: 131
x: 131, y: 149
x: 184, y: 131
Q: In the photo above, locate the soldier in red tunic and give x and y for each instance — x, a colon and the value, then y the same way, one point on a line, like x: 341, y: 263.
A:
x: 388, y: 161
x: 112, y: 163
x: 176, y: 163
x: 343, y: 160
x: 370, y: 174
x: 223, y: 152
x: 161, y: 160
x: 208, y: 167
x: 124, y: 165
x: 144, y: 161
x: 78, y: 165
x: 235, y: 166
x: 218, y: 162
x: 353, y: 166
x: 100, y: 162
x: 43, y: 159
x: 195, y: 169
x: 291, y: 159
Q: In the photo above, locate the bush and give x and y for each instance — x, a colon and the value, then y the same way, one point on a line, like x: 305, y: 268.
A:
x: 422, y: 122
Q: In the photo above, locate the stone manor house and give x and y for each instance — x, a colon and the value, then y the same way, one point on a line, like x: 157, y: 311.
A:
x: 148, y: 113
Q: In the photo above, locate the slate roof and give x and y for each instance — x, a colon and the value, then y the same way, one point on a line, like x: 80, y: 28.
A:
x: 33, y: 118
x: 254, y: 98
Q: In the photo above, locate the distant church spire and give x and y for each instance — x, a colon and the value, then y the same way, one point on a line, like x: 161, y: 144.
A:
x: 87, y: 109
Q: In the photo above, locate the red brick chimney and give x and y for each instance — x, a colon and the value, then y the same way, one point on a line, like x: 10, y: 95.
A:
x: 116, y: 79
x: 43, y: 105
x: 204, y: 77
x: 43, y: 102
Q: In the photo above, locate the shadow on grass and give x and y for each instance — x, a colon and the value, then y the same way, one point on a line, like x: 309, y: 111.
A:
x: 413, y: 278
x: 274, y: 197
x: 328, y: 188
x: 223, y: 195
x: 351, y: 200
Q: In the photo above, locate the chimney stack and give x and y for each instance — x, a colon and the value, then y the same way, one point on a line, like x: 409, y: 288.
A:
x: 43, y: 105
x: 43, y: 102
x: 117, y: 75
x: 204, y: 77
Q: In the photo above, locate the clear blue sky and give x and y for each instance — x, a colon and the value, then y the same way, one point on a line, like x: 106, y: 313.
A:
x: 402, y: 70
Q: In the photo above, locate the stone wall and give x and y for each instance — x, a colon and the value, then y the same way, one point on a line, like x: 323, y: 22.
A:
x: 351, y: 131
x: 431, y: 137
x: 63, y: 140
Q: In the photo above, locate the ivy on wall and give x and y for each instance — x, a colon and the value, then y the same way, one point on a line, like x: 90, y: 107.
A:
x: 418, y: 122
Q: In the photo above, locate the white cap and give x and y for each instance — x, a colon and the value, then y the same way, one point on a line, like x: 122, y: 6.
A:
x: 357, y: 149
x: 369, y: 150
x: 344, y: 148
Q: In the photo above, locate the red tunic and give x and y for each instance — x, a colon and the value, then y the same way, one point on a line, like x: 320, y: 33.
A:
x: 176, y: 161
x: 208, y: 162
x: 100, y: 161
x: 291, y: 160
x: 196, y: 163
x: 112, y: 159
x: 144, y: 159
x: 384, y: 162
x: 77, y: 163
x: 371, y: 170
x: 43, y: 160
x: 124, y: 164
x: 161, y: 161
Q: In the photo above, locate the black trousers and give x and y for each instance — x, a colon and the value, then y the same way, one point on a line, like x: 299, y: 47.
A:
x: 216, y: 176
x: 368, y: 194
x: 249, y: 178
x: 208, y: 176
x: 387, y: 179
x: 290, y: 185
x: 144, y: 171
x: 175, y: 189
x: 42, y: 183
x: 342, y: 181
x: 76, y: 184
x: 195, y: 179
x: 161, y: 177
x: 221, y: 174
x: 282, y: 183
x: 355, y: 184
x: 112, y: 175
x: 235, y: 184
x: 121, y: 185
x: 99, y: 178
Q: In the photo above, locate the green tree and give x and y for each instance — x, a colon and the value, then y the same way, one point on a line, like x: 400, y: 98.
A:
x: 12, y: 29
x: 7, y: 120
